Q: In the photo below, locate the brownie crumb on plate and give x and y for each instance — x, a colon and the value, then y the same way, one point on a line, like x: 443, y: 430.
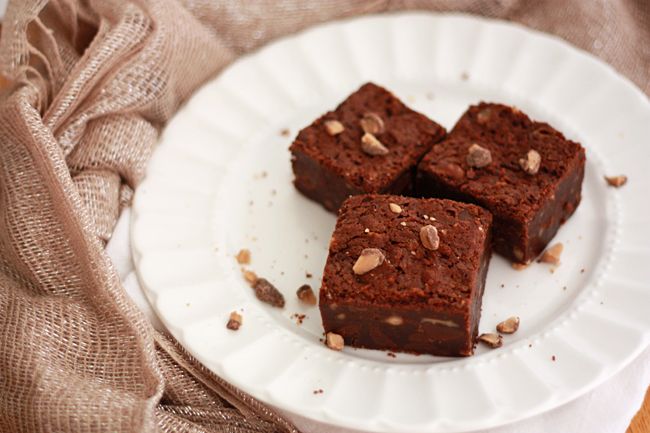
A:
x: 268, y: 293
x: 234, y: 321
x: 306, y: 294
x: 243, y: 257
x: 616, y: 181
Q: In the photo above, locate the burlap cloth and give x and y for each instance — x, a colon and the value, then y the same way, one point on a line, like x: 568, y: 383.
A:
x: 90, y: 85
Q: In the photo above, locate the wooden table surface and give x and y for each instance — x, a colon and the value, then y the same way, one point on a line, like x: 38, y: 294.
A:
x: 640, y: 423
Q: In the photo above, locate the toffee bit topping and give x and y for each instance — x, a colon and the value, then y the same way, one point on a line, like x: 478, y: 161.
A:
x: 372, y: 123
x: 492, y: 340
x: 452, y: 170
x: 249, y: 276
x: 306, y: 294
x: 268, y: 293
x: 509, y: 326
x: 429, y: 237
x: 372, y: 146
x: 243, y: 257
x: 334, y: 127
x: 478, y: 156
x: 616, y: 181
x: 394, y: 320
x: 395, y: 208
x: 235, y: 321
x: 369, y: 259
x: 531, y: 163
x: 552, y: 254
x: 484, y: 116
x: 334, y: 341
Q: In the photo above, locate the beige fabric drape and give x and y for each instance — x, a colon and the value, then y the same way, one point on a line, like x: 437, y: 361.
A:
x: 92, y: 82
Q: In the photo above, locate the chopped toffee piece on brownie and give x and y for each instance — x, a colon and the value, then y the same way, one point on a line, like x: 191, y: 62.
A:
x: 371, y: 143
x: 387, y: 288
x: 525, y: 172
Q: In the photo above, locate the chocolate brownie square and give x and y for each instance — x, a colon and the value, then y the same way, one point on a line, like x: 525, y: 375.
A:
x: 371, y: 143
x: 407, y: 274
x: 525, y: 172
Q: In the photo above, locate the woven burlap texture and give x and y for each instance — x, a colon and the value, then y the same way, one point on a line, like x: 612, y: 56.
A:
x: 88, y: 87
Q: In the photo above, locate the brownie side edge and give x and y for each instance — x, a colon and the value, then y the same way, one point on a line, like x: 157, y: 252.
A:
x: 479, y: 289
x: 400, y: 329
x: 318, y: 183
x: 552, y: 214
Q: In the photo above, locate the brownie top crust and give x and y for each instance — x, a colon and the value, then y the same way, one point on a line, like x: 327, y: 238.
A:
x: 407, y: 135
x: 503, y: 186
x: 411, y: 273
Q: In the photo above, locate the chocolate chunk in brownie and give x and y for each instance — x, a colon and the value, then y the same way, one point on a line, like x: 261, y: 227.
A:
x: 531, y: 184
x: 371, y: 143
x: 388, y: 284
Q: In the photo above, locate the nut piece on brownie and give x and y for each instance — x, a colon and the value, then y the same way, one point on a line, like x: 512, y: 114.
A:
x: 532, y: 183
x: 410, y: 297
x: 370, y: 143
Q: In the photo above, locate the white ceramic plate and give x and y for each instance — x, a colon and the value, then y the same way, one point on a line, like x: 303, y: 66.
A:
x: 221, y: 181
